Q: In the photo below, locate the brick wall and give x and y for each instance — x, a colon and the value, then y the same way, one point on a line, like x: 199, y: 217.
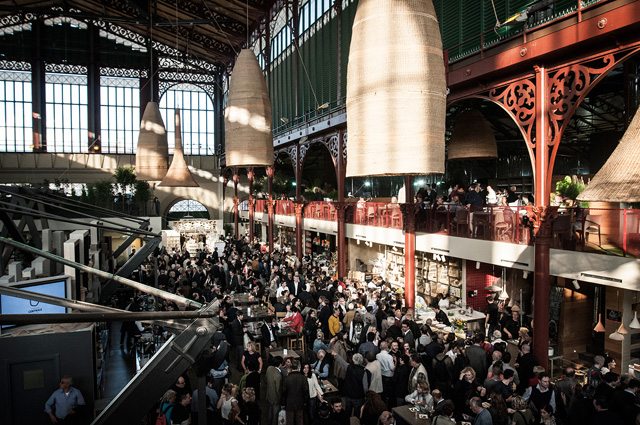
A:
x: 478, y: 279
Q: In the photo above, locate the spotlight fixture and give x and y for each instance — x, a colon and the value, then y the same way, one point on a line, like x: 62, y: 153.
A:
x: 525, y: 274
x: 477, y: 265
x: 284, y: 120
x: 576, y: 285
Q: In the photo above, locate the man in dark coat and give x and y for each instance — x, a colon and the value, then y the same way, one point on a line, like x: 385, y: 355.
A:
x: 526, y: 362
x: 478, y: 358
x: 353, y: 387
x: 237, y: 338
x: 295, y: 394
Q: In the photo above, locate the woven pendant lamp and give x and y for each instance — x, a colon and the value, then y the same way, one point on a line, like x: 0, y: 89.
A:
x: 152, y: 155
x: 247, y: 116
x: 472, y: 137
x: 619, y: 178
x: 178, y: 174
x: 396, y: 90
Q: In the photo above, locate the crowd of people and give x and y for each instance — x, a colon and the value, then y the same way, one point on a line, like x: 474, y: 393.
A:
x: 363, y: 340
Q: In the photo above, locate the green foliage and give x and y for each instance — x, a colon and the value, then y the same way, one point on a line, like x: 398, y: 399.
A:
x: 100, y: 192
x: 260, y: 186
x: 142, y: 191
x: 309, y: 195
x: 570, y: 187
x: 281, y: 183
x: 333, y: 195
x: 125, y: 178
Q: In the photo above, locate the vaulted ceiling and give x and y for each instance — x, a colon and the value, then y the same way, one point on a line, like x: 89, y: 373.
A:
x: 208, y: 30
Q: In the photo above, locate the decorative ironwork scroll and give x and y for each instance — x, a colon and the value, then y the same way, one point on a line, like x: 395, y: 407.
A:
x: 519, y: 100
x: 566, y: 87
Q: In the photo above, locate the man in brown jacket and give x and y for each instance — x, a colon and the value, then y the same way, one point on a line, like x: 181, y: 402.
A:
x: 274, y: 389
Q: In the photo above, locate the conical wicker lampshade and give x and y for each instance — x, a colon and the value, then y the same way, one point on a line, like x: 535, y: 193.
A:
x: 472, y: 137
x: 396, y: 90
x: 619, y: 178
x: 178, y: 174
x: 152, y: 155
x: 247, y: 116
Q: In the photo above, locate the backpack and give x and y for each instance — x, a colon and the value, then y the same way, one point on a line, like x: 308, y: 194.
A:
x: 162, y: 416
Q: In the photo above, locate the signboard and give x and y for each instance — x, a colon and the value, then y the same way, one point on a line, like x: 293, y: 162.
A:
x: 614, y: 316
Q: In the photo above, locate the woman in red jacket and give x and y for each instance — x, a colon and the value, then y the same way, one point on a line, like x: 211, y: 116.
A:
x: 296, y: 321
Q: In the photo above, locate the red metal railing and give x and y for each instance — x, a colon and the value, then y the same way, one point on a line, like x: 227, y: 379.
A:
x: 285, y: 208
x: 582, y: 229
x: 261, y: 205
x: 320, y: 210
x: 379, y: 214
x: 494, y: 223
x: 608, y: 230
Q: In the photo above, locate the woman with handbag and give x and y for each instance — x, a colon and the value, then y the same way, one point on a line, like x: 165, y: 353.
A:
x: 228, y: 404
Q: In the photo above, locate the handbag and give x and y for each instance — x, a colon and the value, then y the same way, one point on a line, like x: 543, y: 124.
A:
x: 282, y: 417
x: 162, y: 416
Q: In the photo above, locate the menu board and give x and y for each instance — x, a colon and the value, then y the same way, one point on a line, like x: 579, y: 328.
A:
x: 443, y: 275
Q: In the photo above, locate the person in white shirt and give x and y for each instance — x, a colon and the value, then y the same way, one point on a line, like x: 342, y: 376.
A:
x: 492, y: 199
x: 387, y: 367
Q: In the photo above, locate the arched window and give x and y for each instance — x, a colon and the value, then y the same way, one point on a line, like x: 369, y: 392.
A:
x: 196, y: 111
x: 187, y: 209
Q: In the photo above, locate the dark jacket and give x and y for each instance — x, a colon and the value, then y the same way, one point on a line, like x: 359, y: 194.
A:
x: 266, y: 338
x: 295, y: 392
x: 478, y: 360
x: 401, y: 380
x: 237, y: 333
x: 353, y: 382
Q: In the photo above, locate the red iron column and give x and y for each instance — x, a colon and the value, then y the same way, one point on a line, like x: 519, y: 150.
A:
x: 341, y: 211
x: 270, y: 204
x: 543, y: 218
x: 409, y: 211
x: 236, y: 201
x: 299, y: 206
x: 251, y: 175
x: 341, y: 206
